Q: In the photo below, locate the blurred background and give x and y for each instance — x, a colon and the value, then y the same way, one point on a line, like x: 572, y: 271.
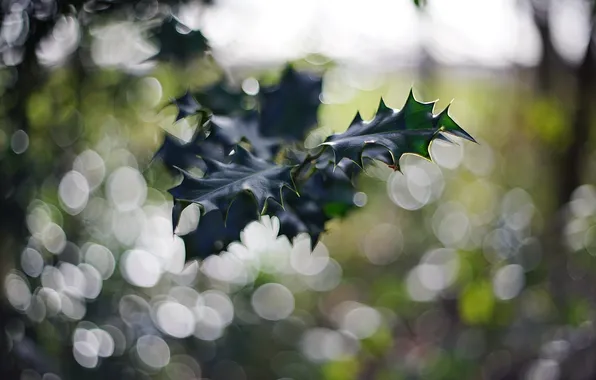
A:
x: 478, y: 266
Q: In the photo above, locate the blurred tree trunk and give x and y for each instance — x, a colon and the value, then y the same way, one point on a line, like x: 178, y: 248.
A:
x: 567, y: 164
x: 14, y: 185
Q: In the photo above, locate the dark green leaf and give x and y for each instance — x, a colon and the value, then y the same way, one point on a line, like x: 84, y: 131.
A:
x: 289, y: 110
x: 224, y: 181
x: 176, y: 154
x: 214, y: 234
x: 222, y: 99
x: 392, y: 133
x: 327, y: 194
x: 300, y: 215
x: 231, y: 130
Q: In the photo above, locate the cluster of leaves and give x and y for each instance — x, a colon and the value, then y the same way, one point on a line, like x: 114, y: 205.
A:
x: 253, y: 161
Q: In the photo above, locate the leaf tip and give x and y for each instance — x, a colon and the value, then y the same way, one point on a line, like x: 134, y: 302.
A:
x: 383, y: 106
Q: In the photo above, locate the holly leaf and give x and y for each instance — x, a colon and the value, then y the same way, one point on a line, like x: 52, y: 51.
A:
x: 215, y: 232
x: 289, y: 109
x: 300, y: 215
x: 224, y: 181
x: 222, y: 99
x: 409, y: 130
x: 231, y: 130
x: 176, y: 154
x: 327, y: 194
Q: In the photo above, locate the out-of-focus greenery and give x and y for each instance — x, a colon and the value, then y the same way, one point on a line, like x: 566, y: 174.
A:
x: 449, y: 272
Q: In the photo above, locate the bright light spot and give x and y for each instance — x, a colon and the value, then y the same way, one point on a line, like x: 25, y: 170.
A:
x: 250, y: 86
x: 140, y: 268
x: 175, y: 319
x: 226, y: 267
x: 322, y: 344
x: 105, y: 342
x: 305, y: 261
x: 74, y: 192
x: 132, y: 308
x: 189, y: 219
x: 101, y: 258
x: 17, y: 291
x: 327, y: 279
x: 438, y: 269
x: 93, y: 281
x: 19, y: 141
x: 85, y: 348
x: 421, y: 183
x: 73, y: 308
x: 508, y: 281
x: 54, y: 238
x: 273, y: 301
x: 92, y: 166
x: 52, y: 278
x: 121, y: 44
x: 361, y: 321
x: 451, y: 224
x: 479, y: 158
x: 518, y: 208
x: 126, y: 189
x: 85, y: 354
x: 209, y: 324
x: 219, y: 302
x: 583, y: 201
x: 127, y: 225
x: 52, y: 301
x: 31, y: 262
x: 360, y: 199
x: 543, y: 369
x: 62, y: 41
x: 416, y: 290
x: 570, y: 28
x: 38, y: 218
x: 151, y: 91
x: 446, y: 154
x: 74, y: 279
x: 153, y: 351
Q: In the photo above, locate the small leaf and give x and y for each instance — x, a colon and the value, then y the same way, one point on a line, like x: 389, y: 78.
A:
x: 223, y: 182
x: 289, y: 110
x: 392, y: 133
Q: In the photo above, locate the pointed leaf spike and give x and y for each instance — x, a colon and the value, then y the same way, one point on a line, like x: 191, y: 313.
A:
x: 442, y: 137
x: 447, y: 124
x: 383, y: 108
x: 415, y: 108
x: 410, y: 100
x: 187, y: 105
x: 176, y: 212
x: 357, y: 119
